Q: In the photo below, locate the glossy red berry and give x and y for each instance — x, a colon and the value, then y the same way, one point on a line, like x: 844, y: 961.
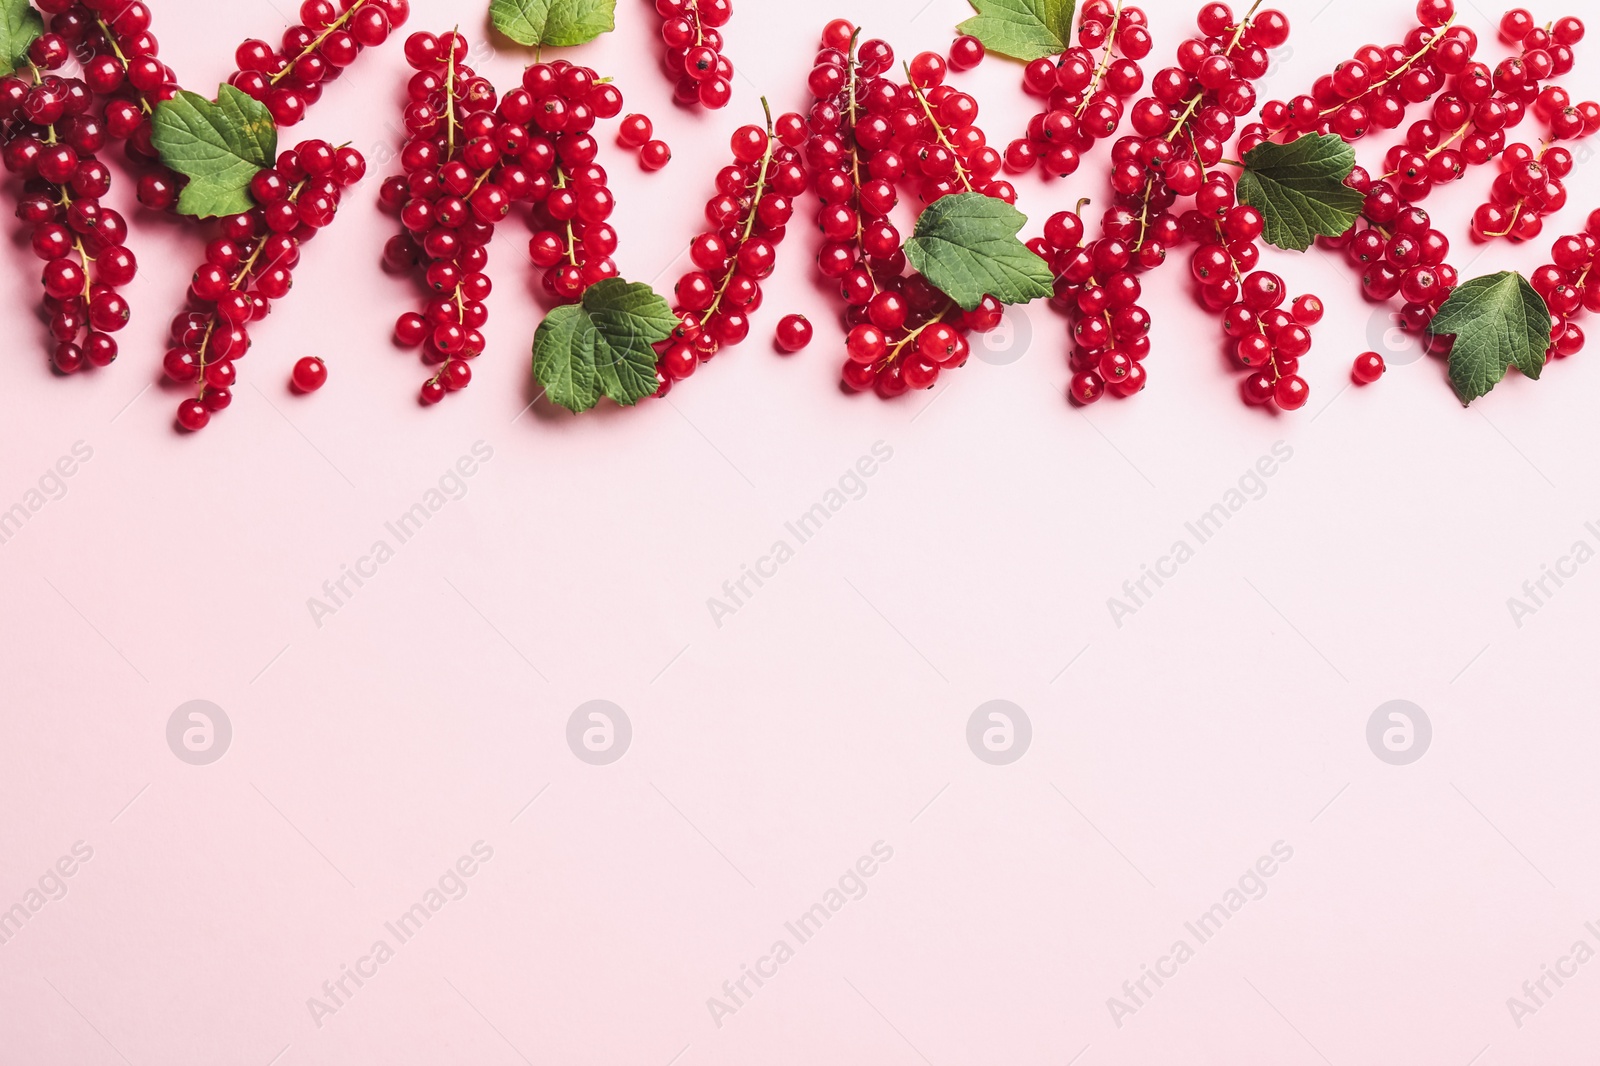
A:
x: 1369, y: 367
x: 309, y: 374
x: 793, y: 333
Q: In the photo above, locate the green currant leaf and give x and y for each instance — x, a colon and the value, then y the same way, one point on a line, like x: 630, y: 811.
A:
x: 1498, y: 321
x: 602, y: 346
x: 1022, y: 29
x: 1299, y: 189
x: 218, y: 146
x: 966, y: 244
x: 560, y: 23
x: 20, y: 26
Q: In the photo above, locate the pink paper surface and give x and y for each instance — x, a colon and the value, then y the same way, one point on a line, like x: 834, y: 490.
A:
x: 818, y: 726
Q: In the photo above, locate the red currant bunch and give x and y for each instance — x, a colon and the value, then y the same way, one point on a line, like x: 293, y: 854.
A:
x: 867, y: 135
x: 248, y: 265
x: 1528, y: 187
x: 468, y: 158
x: 573, y: 240
x: 1469, y: 122
x: 746, y: 218
x: 1098, y: 290
x: 118, y: 55
x: 1373, y: 89
x: 314, y: 51
x: 692, y: 33
x: 1566, y: 287
x: 1085, y: 89
x: 50, y: 140
x: 936, y: 132
x: 1398, y: 252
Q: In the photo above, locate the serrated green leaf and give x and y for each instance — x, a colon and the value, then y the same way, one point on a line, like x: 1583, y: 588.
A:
x: 1498, y: 321
x: 602, y: 346
x: 218, y: 146
x: 966, y: 244
x: 1299, y: 189
x: 560, y: 23
x: 1022, y: 29
x: 20, y: 26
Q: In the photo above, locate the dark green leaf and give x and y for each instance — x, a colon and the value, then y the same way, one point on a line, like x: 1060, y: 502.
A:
x: 1299, y: 189
x: 560, y: 23
x: 20, y: 25
x: 1498, y: 321
x: 218, y: 146
x: 967, y: 245
x: 602, y: 346
x: 1022, y: 29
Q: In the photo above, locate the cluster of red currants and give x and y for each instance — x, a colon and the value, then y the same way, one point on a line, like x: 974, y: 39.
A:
x: 119, y: 58
x: 746, y: 217
x: 867, y: 134
x: 449, y: 196
x: 459, y: 178
x: 327, y: 39
x: 51, y: 138
x: 1373, y: 89
x: 249, y: 264
x: 1398, y: 252
x: 691, y: 31
x: 573, y: 239
x: 1268, y: 341
x: 468, y: 158
x: 1393, y: 244
x: 1566, y: 286
x: 1469, y: 122
x: 1528, y: 187
x: 1084, y: 92
x: 1178, y: 138
x: 1098, y: 291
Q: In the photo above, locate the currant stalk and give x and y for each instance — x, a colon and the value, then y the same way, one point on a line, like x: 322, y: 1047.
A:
x: 748, y: 216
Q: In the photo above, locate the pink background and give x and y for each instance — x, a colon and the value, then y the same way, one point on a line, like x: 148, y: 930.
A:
x: 771, y: 752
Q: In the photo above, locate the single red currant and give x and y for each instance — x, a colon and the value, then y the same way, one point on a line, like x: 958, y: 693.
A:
x: 793, y: 334
x: 309, y: 374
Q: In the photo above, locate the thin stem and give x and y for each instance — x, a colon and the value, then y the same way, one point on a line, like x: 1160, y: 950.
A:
x: 336, y: 24
x: 1427, y: 46
x: 938, y: 130
x: 116, y: 50
x: 750, y: 216
x: 899, y: 346
x: 851, y: 110
x: 449, y: 99
x: 1105, y: 61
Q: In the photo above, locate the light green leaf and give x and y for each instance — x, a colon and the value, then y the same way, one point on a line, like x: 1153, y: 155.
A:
x: 1299, y: 189
x: 20, y: 26
x: 1498, y: 321
x: 966, y: 244
x: 602, y: 346
x: 1022, y: 29
x: 218, y: 146
x: 560, y: 23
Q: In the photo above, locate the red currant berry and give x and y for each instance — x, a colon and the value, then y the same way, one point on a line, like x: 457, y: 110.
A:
x: 309, y: 374
x: 793, y: 333
x: 654, y: 155
x: 1369, y: 367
